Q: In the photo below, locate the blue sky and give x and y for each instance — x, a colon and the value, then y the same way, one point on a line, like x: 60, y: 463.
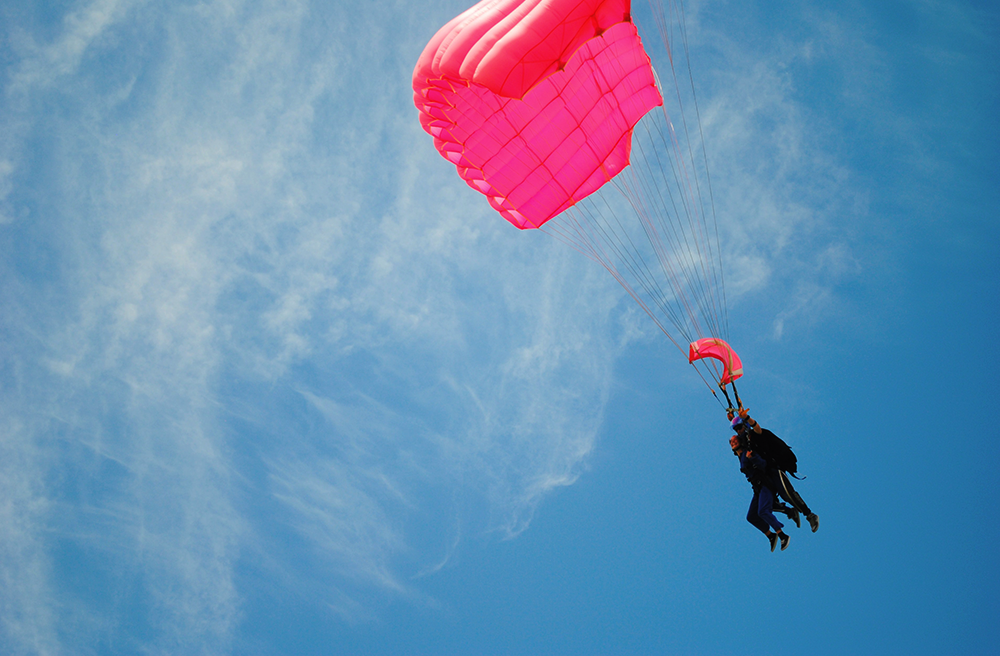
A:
x: 274, y: 380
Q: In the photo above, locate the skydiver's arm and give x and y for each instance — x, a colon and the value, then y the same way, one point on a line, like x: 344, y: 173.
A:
x: 756, y: 460
x: 749, y: 421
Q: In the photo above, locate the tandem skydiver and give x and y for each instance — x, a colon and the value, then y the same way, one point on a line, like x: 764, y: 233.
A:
x: 764, y: 459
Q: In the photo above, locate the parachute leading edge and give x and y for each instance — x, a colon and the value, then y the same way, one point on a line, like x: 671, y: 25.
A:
x: 534, y: 101
x: 713, y: 347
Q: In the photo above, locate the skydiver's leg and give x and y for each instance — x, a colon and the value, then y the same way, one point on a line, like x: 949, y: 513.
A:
x: 765, y: 499
x: 754, y: 518
x: 788, y: 493
x: 791, y: 512
x: 798, y: 502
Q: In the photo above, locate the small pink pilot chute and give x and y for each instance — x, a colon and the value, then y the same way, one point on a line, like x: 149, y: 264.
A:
x: 534, y: 101
x: 713, y: 347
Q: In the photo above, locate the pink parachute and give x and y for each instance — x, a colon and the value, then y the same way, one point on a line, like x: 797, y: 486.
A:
x: 713, y: 347
x: 539, y: 103
x: 535, y: 100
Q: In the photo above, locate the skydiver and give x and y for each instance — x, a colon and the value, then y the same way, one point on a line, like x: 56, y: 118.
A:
x: 760, y: 512
x: 747, y: 429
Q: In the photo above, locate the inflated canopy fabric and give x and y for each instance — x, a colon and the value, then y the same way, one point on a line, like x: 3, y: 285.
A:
x: 713, y: 347
x: 534, y: 101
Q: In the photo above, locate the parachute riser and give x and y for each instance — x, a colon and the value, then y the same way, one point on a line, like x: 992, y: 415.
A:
x: 732, y: 410
x: 739, y: 404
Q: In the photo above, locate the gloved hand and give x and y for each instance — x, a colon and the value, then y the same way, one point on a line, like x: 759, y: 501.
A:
x: 744, y: 413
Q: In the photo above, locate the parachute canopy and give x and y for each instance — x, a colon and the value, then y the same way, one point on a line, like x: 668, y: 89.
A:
x: 713, y: 347
x: 535, y: 100
x: 539, y: 103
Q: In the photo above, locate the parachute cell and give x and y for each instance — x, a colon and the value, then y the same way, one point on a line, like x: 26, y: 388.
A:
x: 534, y: 101
x: 713, y: 347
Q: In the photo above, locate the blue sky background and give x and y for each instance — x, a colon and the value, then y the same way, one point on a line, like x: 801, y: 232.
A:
x: 274, y: 380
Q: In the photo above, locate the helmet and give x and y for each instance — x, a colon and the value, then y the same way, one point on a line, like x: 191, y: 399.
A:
x: 737, y: 422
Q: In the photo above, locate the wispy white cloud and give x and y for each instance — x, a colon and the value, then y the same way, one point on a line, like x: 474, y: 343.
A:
x: 30, y: 623
x: 6, y: 186
x: 780, y: 184
x: 267, y: 292
x: 45, y: 64
x: 274, y: 315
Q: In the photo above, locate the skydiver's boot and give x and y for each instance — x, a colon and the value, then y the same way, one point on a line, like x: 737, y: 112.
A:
x: 773, y: 539
x: 784, y: 540
x: 792, y: 513
x: 813, y: 521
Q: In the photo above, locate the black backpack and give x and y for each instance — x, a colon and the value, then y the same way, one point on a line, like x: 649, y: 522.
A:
x: 774, y: 450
